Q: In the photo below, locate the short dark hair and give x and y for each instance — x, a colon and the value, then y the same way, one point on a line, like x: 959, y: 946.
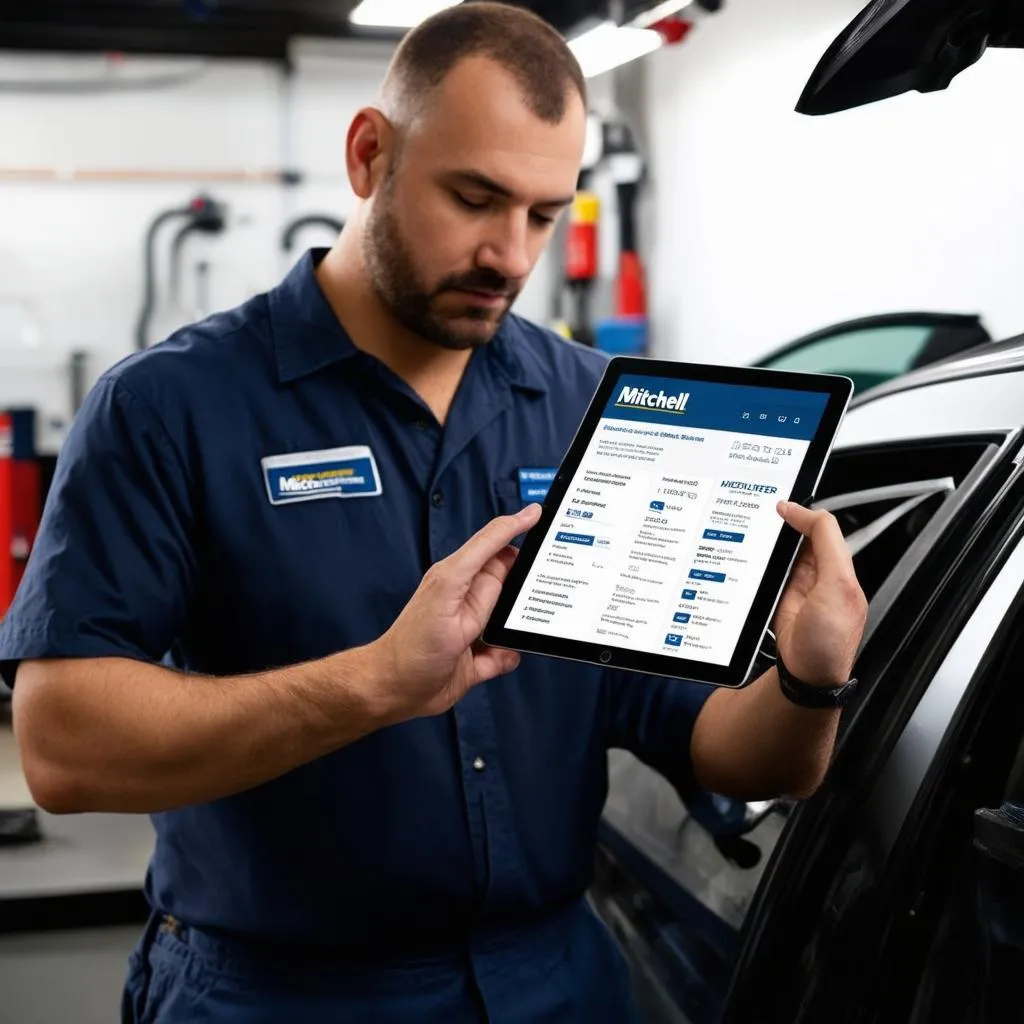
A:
x: 521, y: 42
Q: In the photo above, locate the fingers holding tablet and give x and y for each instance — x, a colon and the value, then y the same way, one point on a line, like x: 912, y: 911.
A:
x: 821, y: 616
x: 822, y: 529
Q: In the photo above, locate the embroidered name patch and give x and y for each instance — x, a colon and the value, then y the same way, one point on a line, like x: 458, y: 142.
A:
x: 330, y: 473
x: 534, y: 484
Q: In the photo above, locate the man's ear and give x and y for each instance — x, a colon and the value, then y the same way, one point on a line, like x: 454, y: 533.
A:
x: 369, y: 146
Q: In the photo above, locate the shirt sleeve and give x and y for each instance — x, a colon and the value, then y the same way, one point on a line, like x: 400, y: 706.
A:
x: 113, y: 564
x: 653, y: 717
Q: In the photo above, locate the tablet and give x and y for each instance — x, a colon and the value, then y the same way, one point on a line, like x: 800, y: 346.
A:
x: 660, y: 548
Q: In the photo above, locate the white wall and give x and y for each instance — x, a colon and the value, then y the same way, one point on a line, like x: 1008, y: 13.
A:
x: 771, y: 223
x: 71, y: 252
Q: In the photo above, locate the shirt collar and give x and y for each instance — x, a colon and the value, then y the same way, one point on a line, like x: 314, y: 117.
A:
x: 308, y: 337
x: 518, y: 359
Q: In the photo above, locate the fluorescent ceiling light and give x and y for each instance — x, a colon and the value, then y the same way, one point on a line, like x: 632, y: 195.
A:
x: 397, y: 13
x: 608, y: 46
x: 663, y: 10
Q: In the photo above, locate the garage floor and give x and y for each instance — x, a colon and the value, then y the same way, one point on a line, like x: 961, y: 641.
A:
x: 77, y: 976
x: 65, y: 974
x: 78, y: 853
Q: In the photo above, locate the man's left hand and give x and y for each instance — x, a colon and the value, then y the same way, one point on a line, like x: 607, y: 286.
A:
x: 821, y: 615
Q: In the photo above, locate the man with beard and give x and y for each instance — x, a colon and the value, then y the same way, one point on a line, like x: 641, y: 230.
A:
x: 356, y: 818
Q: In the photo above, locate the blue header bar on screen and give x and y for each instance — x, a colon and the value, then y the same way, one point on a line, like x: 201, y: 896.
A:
x: 700, y: 405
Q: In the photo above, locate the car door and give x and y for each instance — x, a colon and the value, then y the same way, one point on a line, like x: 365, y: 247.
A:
x: 846, y: 919
x: 693, y: 913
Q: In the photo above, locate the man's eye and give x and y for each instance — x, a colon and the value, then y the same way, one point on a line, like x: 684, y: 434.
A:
x: 469, y: 203
x: 542, y: 218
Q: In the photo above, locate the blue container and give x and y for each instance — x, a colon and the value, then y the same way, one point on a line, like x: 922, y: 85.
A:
x: 622, y: 335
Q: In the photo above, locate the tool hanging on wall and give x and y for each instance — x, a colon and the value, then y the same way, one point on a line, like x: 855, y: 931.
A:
x: 207, y: 219
x: 611, y: 146
x: 581, y: 262
x: 625, y: 331
x: 581, y: 247
x: 201, y: 214
x: 291, y: 229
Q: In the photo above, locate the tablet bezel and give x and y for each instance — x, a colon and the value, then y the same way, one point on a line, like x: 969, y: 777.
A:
x: 737, y: 673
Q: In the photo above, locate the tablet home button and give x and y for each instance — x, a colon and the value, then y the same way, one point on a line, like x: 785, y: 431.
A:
x: 606, y: 656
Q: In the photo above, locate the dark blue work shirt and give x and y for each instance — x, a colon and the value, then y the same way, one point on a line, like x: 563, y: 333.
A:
x: 166, y: 537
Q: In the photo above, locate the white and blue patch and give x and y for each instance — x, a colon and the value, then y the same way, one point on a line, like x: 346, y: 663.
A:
x: 329, y: 473
x: 534, y: 484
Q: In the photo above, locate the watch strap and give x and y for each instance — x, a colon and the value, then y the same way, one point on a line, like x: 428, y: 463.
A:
x: 807, y: 696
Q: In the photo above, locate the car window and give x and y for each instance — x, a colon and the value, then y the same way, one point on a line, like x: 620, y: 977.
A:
x: 869, y: 356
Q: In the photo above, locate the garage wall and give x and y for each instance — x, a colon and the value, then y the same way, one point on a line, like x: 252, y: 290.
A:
x: 771, y: 224
x: 71, y: 253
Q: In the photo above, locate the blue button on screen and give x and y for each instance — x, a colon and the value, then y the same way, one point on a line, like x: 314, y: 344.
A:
x: 710, y: 577
x: 735, y: 538
x: 574, y: 538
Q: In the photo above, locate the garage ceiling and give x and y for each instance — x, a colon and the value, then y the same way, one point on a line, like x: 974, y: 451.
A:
x: 226, y: 28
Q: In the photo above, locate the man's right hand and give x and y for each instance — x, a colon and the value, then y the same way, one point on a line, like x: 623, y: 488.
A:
x: 432, y: 656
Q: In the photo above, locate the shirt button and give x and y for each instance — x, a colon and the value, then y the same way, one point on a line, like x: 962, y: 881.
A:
x: 421, y: 425
x: 437, y: 499
x: 479, y: 764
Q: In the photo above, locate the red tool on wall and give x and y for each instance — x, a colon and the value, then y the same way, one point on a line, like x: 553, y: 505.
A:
x: 20, y: 499
x: 6, y: 511
x: 581, y: 261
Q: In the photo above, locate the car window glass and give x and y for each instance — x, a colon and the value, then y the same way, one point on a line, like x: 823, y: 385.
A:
x: 881, y: 352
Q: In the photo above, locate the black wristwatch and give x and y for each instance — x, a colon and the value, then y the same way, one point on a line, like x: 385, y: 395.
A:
x: 807, y: 696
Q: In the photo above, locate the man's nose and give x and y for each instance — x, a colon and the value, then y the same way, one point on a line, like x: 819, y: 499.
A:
x: 506, y: 248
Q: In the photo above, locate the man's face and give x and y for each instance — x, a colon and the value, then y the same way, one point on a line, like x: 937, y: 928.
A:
x: 460, y: 220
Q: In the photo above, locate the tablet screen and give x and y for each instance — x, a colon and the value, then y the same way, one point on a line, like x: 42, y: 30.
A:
x: 669, y: 522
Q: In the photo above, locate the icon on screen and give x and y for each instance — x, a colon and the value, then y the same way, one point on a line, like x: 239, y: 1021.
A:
x: 782, y: 419
x: 746, y: 416
x: 763, y: 416
x: 796, y: 419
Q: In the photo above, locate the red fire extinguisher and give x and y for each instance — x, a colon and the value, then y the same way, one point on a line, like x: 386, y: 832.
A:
x: 6, y: 512
x: 581, y: 261
x: 581, y: 240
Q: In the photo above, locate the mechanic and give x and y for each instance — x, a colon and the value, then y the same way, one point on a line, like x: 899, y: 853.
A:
x: 361, y: 814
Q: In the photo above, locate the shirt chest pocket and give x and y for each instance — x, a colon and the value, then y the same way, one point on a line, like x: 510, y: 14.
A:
x: 506, y: 496
x: 524, y: 486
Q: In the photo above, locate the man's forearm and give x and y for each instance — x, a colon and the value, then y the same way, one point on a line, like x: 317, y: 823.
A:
x: 118, y: 735
x: 754, y: 744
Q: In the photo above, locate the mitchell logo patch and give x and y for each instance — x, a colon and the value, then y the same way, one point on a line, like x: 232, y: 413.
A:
x: 329, y: 473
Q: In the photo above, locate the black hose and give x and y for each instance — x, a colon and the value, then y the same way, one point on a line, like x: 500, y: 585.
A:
x: 142, y: 327
x: 204, y: 214
x: 175, y: 274
x: 290, y: 231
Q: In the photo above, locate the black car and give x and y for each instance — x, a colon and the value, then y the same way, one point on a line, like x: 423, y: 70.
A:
x: 896, y: 893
